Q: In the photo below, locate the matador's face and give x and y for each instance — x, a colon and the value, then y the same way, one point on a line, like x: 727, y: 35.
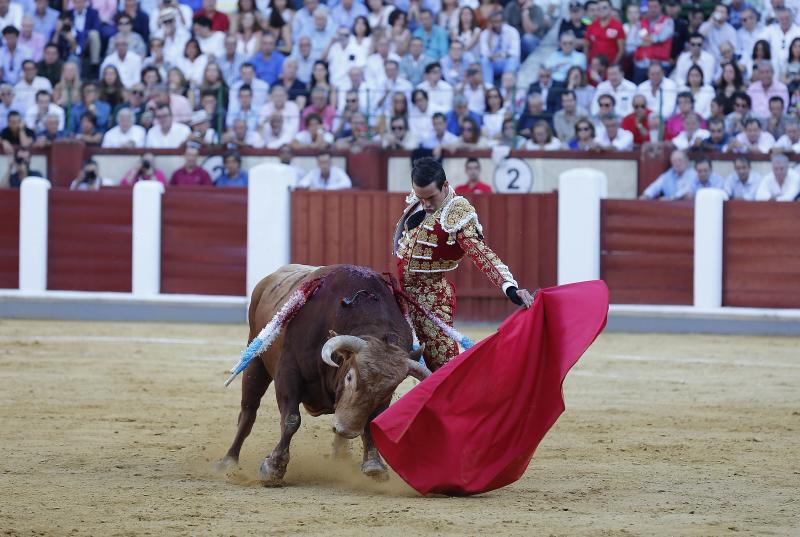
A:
x: 431, y: 196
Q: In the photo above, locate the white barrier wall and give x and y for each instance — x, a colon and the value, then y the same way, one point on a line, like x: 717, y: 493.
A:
x: 146, y: 269
x: 622, y: 174
x: 33, y: 212
x: 708, y: 242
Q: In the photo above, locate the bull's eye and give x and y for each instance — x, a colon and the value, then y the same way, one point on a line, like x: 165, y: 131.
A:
x: 349, y: 378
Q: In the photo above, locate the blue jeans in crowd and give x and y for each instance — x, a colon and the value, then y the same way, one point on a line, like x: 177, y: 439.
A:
x: 529, y: 43
x: 496, y: 68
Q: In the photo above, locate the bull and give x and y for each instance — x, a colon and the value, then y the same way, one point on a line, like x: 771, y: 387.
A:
x: 343, y: 353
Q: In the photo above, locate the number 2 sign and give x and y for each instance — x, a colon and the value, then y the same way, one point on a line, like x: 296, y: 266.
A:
x: 513, y: 176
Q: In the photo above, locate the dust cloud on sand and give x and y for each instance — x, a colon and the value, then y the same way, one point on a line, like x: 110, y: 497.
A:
x: 113, y: 429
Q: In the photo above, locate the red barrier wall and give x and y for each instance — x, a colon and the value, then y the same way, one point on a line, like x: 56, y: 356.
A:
x: 357, y: 228
x: 9, y: 239
x: 204, y: 241
x: 647, y: 250
x: 761, y: 255
x: 89, y: 245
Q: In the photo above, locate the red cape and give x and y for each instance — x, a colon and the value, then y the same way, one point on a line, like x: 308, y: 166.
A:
x: 474, y: 425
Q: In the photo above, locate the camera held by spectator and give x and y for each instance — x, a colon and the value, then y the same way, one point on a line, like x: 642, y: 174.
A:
x: 88, y: 178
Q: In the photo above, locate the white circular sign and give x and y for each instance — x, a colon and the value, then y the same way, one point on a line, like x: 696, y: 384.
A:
x: 513, y: 176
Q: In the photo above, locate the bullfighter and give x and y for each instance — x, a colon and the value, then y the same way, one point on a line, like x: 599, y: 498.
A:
x: 435, y: 232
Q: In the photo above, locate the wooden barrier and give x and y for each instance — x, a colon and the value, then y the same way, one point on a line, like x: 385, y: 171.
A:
x: 89, y: 246
x: 9, y: 239
x: 204, y: 241
x: 357, y: 228
x: 647, y: 250
x: 761, y: 255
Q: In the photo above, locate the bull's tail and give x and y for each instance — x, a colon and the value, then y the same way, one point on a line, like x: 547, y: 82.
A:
x: 270, y: 332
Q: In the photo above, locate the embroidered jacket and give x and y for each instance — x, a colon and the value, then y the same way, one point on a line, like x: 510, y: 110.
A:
x: 442, y: 239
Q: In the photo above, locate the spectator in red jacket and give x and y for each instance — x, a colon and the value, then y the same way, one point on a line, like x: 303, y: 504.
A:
x: 637, y: 121
x: 219, y: 21
x: 606, y: 35
x: 191, y: 174
x: 473, y: 184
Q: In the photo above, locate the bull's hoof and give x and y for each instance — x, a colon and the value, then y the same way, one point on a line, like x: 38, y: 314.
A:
x: 271, y: 475
x: 375, y: 469
x: 226, y: 465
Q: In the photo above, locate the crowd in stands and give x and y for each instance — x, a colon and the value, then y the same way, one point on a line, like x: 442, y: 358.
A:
x: 431, y: 75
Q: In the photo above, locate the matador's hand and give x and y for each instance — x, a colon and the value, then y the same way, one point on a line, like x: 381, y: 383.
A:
x: 526, y: 297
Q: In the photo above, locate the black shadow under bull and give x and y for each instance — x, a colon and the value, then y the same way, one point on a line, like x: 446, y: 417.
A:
x: 344, y: 352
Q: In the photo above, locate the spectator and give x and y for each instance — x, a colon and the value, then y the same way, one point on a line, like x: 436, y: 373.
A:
x: 268, y: 63
x: 280, y: 104
x: 734, y: 122
x: 749, y: 33
x: 136, y: 44
x: 441, y: 136
x: 202, y: 134
x: 126, y: 133
x: 144, y: 170
x: 30, y: 39
x: 575, y: 23
x: 50, y: 132
x: 219, y: 21
x: 633, y: 30
x: 576, y: 82
x: 613, y: 138
x: 359, y: 44
x: 460, y: 111
x: 638, y: 121
x: 305, y: 59
x: 375, y: 68
x: 391, y: 84
x: 606, y: 35
x: 584, y: 138
x: 474, y: 185
x: 50, y: 66
x: 705, y: 177
x: 549, y: 90
x: 190, y: 174
x: 44, y: 18
x: 193, y: 62
x: 676, y: 182
x: 494, y: 116
x: 717, y: 139
x: 379, y: 15
x: 565, y: 119
x: 239, y: 136
x: 782, y: 184
x: 695, y: 56
x: 717, y: 30
x: 533, y: 114
x: 88, y: 131
x: 470, y: 138
x: 325, y: 176
x: 322, y: 32
x: 275, y: 132
x: 743, y: 183
x: 69, y: 88
x: 413, y: 64
x: 434, y: 38
x: 304, y: 19
x: 399, y: 136
x: 530, y: 22
x: 110, y: 90
x: 86, y: 25
x: 285, y: 156
x: 35, y: 115
x: 729, y: 83
x: 29, y: 85
x: 766, y: 87
x: 248, y: 35
x: 440, y: 93
x: 753, y: 139
x: 790, y: 140
x: 656, y: 44
x: 542, y: 138
x: 359, y: 137
x: 166, y: 134
x: 128, y: 64
x: 420, y: 116
x: 245, y: 110
x: 474, y: 89
x: 781, y: 35
x: 90, y: 103
x: 660, y: 92
x: 259, y: 88
x: 232, y: 175
x: 211, y: 43
x: 565, y: 57
x: 617, y: 87
x: 500, y: 48
x: 776, y: 121
x: 230, y: 62
x: 345, y: 14
x: 313, y: 135
x: 727, y: 54
x: 139, y: 19
x: 7, y: 104
x: 790, y: 69
x: 338, y: 57
x: 88, y: 178
x: 455, y: 63
x: 174, y: 35
x: 319, y: 106
x: 675, y: 124
x: 468, y: 33
x: 19, y: 169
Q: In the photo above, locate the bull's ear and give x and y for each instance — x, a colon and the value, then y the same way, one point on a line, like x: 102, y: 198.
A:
x: 331, y: 334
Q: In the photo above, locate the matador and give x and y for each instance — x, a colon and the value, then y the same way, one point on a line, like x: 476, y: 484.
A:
x: 435, y: 232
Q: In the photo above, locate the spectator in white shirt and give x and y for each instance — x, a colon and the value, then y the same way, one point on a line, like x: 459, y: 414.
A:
x: 125, y: 134
x: 211, y: 43
x: 390, y: 84
x: 474, y: 89
x: 753, y: 139
x: 612, y: 137
x: 780, y: 36
x: 619, y: 88
x: 166, y: 133
x: 193, y: 62
x: 35, y: 115
x: 128, y: 64
x: 750, y: 32
x: 374, y: 71
x: 692, y: 136
x: 782, y: 184
x: 10, y: 14
x: 717, y: 30
x: 694, y: 56
x: 275, y: 132
x: 288, y: 110
x: 743, y: 182
x: 706, y: 177
x: 179, y: 14
x: 500, y: 48
x: 325, y: 176
x: 29, y: 85
x: 790, y: 141
x: 440, y: 93
x: 661, y: 93
x: 247, y: 75
x: 420, y: 116
x: 441, y: 136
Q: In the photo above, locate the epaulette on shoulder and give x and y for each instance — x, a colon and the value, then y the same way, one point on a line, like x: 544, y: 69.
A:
x: 458, y: 213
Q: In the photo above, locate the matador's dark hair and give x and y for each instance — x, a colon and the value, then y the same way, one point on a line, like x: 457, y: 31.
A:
x: 427, y: 170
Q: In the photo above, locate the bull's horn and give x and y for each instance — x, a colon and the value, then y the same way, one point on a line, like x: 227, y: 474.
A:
x: 351, y: 343
x: 417, y: 369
